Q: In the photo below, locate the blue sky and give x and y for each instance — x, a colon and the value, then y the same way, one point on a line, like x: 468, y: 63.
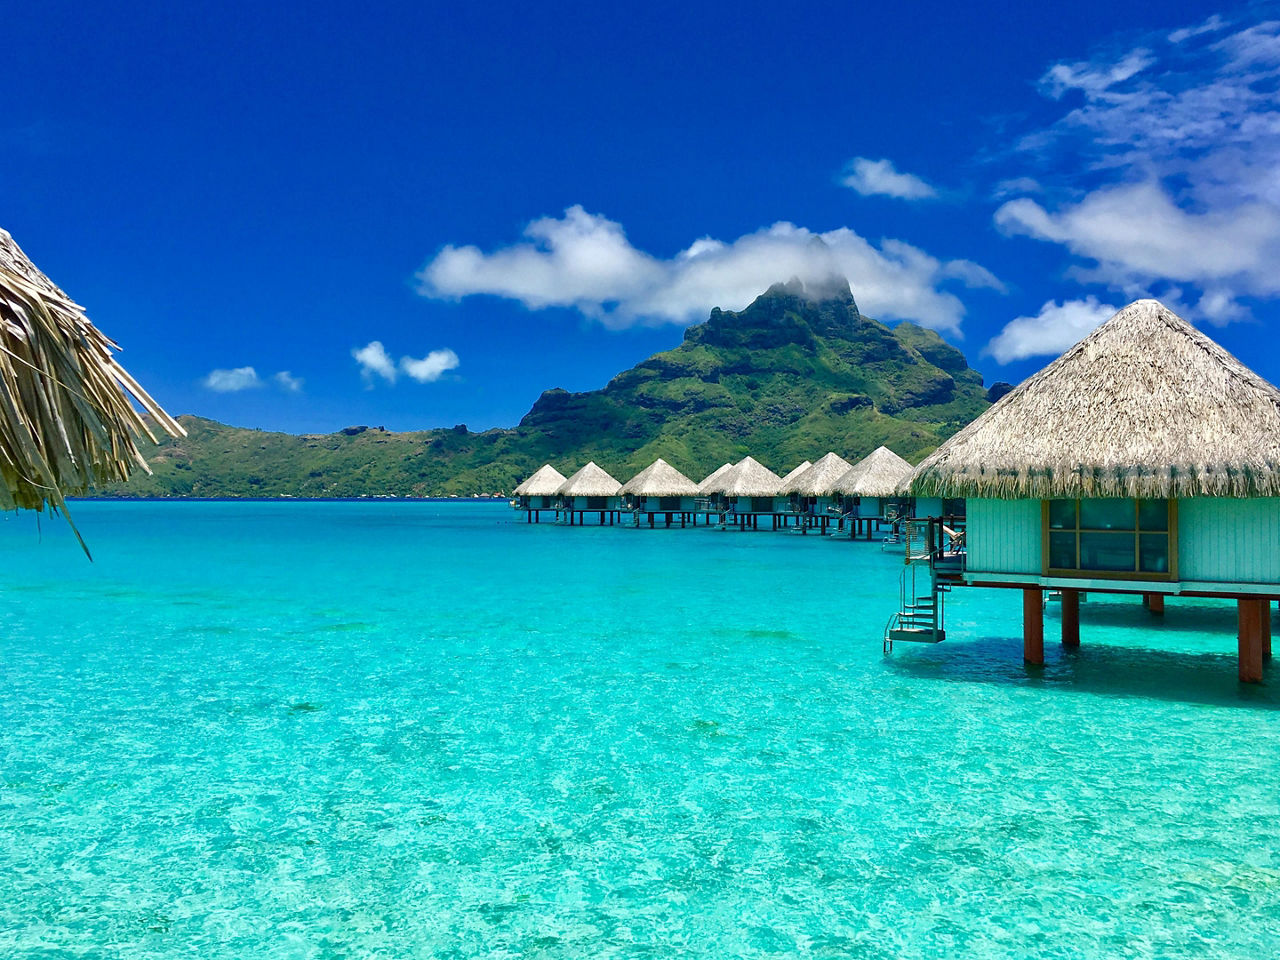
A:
x: 423, y: 215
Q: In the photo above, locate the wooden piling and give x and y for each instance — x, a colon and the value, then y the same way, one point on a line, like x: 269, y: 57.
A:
x: 1154, y: 602
x: 1071, y: 618
x: 1249, y: 639
x: 1033, y: 626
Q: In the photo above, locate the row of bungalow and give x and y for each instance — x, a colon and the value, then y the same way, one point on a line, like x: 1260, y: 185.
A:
x: 830, y: 496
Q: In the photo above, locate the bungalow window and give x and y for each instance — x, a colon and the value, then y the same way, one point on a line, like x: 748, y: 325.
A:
x: 762, y: 504
x: 670, y: 504
x: 597, y: 503
x: 1110, y: 537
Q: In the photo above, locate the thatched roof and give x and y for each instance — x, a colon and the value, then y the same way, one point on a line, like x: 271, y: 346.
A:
x: 590, y: 481
x: 546, y: 480
x: 66, y: 420
x: 749, y: 478
x: 660, y: 479
x: 820, y: 479
x: 1145, y: 406
x: 712, y: 478
x: 788, y: 477
x: 879, y: 474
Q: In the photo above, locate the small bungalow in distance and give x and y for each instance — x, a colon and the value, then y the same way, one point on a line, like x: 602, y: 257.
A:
x: 812, y: 492
x: 538, y: 493
x: 746, y: 492
x: 590, y: 490
x: 1145, y: 460
x: 660, y: 490
x: 870, y: 487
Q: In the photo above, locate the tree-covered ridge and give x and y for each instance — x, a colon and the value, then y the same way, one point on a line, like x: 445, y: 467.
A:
x: 784, y: 380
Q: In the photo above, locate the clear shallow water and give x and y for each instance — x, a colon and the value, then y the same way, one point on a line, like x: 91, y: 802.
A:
x: 425, y: 730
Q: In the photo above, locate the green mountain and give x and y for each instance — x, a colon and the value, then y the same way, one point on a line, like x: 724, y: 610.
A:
x: 795, y: 374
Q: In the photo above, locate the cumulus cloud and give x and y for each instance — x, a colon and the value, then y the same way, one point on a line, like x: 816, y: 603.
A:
x: 1055, y: 328
x: 879, y: 178
x: 287, y: 382
x: 375, y: 362
x: 431, y: 367
x: 584, y: 261
x: 1179, y: 142
x: 232, y: 381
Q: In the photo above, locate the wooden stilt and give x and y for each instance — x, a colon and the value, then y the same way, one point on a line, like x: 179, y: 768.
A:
x: 1266, y: 629
x: 1033, y: 626
x: 1071, y: 618
x: 1154, y: 602
x: 1249, y: 638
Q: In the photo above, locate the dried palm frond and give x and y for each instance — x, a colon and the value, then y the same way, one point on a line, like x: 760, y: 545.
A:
x: 66, y: 420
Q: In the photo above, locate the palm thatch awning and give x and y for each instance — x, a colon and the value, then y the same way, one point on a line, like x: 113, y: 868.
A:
x: 879, y: 474
x: 749, y: 478
x: 66, y: 420
x: 659, y: 479
x: 1145, y: 406
x: 546, y: 480
x: 820, y: 479
x: 787, y: 478
x: 713, y: 478
x: 590, y: 481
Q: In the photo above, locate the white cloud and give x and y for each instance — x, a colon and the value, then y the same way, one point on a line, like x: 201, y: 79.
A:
x: 1212, y: 25
x: 287, y: 382
x: 585, y: 262
x: 232, y: 381
x: 1137, y: 231
x: 430, y: 368
x: 1054, y: 329
x: 375, y: 362
x: 1094, y: 78
x: 1178, y: 141
x: 879, y: 178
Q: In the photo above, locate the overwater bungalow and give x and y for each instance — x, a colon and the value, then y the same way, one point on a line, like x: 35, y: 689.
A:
x: 745, y: 493
x: 708, y: 502
x: 538, y: 493
x: 660, y: 490
x: 785, y: 508
x: 1145, y: 460
x: 868, y: 490
x: 812, y: 495
x: 590, y: 490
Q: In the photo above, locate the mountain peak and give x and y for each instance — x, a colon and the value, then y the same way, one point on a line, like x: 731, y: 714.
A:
x: 814, y: 289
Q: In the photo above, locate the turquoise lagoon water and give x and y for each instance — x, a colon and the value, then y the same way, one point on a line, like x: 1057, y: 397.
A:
x: 426, y: 730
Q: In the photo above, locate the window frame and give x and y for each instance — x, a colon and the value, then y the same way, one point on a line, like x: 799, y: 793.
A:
x: 1135, y: 573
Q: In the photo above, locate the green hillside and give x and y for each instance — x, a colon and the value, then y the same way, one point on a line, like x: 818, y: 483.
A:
x: 784, y: 380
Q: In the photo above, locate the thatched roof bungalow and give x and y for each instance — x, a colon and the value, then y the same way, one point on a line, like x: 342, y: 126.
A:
x: 660, y: 489
x: 1145, y: 459
x: 811, y: 493
x: 873, y: 483
x: 591, y: 489
x: 68, y: 422
x: 746, y: 491
x: 539, y: 491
